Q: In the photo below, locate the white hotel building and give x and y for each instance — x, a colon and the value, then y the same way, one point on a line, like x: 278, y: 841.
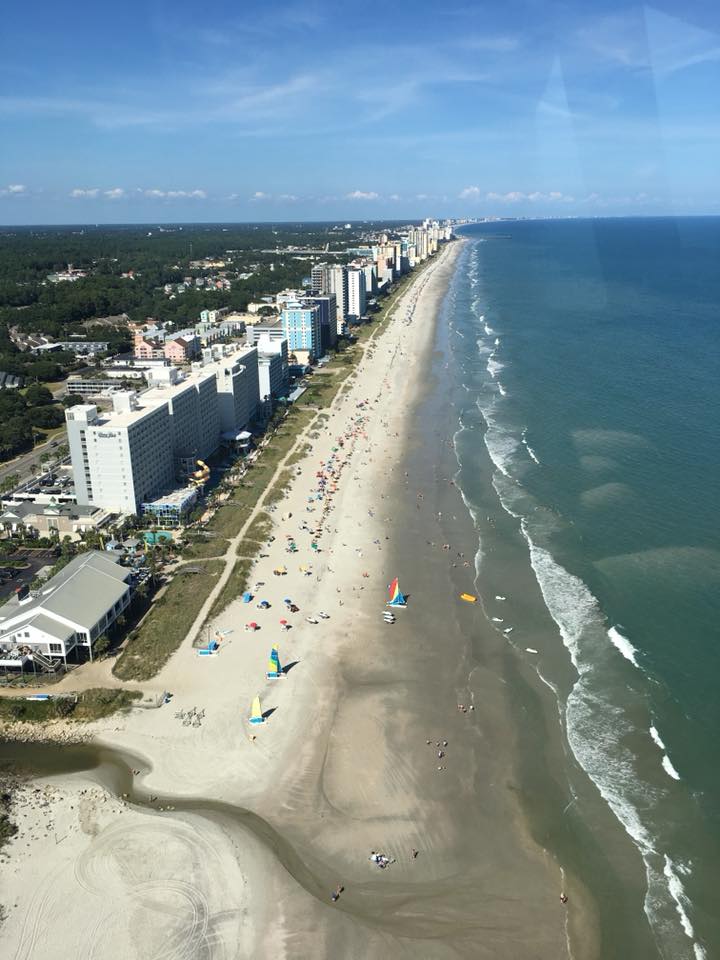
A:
x: 150, y: 441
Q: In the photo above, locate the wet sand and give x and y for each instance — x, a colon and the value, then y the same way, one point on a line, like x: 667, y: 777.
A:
x: 342, y: 766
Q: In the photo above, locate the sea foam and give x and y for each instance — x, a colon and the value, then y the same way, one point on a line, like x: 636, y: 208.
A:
x: 502, y: 447
x: 677, y: 892
x: 623, y: 645
x: 531, y: 452
x: 596, y: 728
x: 666, y: 762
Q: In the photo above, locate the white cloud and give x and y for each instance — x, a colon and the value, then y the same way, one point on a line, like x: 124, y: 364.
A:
x: 517, y: 196
x: 154, y: 193
x: 260, y: 195
x: 394, y: 196
x: 186, y: 194
x: 288, y: 197
x: 80, y: 192
x: 115, y: 194
x: 362, y: 195
x: 470, y: 193
x: 14, y: 190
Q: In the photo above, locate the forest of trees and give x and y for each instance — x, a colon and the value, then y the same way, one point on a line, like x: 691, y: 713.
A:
x: 21, y: 415
x: 156, y: 256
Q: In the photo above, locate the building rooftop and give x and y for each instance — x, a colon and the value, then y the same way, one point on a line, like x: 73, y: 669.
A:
x: 173, y: 498
x: 82, y: 592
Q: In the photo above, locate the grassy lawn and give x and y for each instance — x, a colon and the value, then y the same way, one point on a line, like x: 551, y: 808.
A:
x: 229, y: 519
x: 302, y: 451
x: 91, y: 705
x: 203, y: 547
x: 258, y: 531
x: 277, y: 491
x: 236, y: 585
x: 321, y: 391
x: 167, y: 623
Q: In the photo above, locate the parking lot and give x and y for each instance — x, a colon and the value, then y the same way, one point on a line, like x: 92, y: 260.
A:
x: 12, y: 579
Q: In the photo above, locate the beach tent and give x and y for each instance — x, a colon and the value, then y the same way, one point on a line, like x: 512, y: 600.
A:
x: 256, y: 712
x: 247, y: 597
x: 274, y: 671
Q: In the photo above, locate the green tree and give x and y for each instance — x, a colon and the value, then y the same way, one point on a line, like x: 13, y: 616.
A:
x: 9, y: 483
x: 46, y: 417
x: 37, y: 395
x: 101, y: 645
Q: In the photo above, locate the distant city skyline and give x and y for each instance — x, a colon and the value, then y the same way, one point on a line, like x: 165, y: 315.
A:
x: 315, y: 110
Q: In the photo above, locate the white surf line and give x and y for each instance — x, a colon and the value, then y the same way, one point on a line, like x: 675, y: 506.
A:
x: 666, y: 762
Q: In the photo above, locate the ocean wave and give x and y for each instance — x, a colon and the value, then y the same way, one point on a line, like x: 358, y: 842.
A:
x: 501, y: 389
x: 669, y: 768
x: 666, y: 762
x: 483, y: 349
x: 568, y: 600
x: 597, y: 728
x: 623, y: 645
x: 501, y: 445
x: 488, y: 329
x: 656, y: 738
x: 531, y: 452
x: 677, y: 892
x: 494, y: 367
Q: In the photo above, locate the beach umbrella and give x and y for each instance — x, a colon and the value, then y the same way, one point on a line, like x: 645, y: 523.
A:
x: 247, y: 597
x: 252, y: 625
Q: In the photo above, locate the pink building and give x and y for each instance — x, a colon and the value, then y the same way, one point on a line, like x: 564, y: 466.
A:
x: 182, y: 349
x: 147, y: 349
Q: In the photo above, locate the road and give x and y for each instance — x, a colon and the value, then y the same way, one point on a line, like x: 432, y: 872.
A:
x: 22, y: 465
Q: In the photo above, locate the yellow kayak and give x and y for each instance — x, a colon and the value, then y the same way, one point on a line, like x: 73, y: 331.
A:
x: 468, y: 597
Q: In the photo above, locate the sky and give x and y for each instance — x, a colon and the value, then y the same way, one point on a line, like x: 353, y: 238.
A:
x: 173, y: 111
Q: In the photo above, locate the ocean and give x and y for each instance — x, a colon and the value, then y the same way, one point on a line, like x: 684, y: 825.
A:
x: 585, y: 357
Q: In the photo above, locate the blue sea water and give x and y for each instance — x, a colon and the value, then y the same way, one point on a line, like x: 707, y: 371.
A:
x: 587, y: 362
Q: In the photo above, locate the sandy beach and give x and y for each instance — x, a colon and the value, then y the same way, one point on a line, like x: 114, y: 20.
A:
x: 395, y: 738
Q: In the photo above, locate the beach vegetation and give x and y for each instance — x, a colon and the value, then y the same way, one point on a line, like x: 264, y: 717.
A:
x: 280, y: 487
x: 258, y: 531
x: 166, y: 624
x: 236, y: 585
x: 93, y: 704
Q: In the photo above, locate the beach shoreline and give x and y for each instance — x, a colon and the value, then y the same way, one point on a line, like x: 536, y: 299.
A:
x: 342, y: 766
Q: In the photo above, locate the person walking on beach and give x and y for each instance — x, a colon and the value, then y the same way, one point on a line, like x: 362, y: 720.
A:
x: 336, y: 893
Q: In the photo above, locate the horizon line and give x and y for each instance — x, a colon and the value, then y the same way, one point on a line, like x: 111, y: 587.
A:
x: 357, y: 220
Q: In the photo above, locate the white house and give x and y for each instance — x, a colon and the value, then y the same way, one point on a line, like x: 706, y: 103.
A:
x: 69, y: 611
